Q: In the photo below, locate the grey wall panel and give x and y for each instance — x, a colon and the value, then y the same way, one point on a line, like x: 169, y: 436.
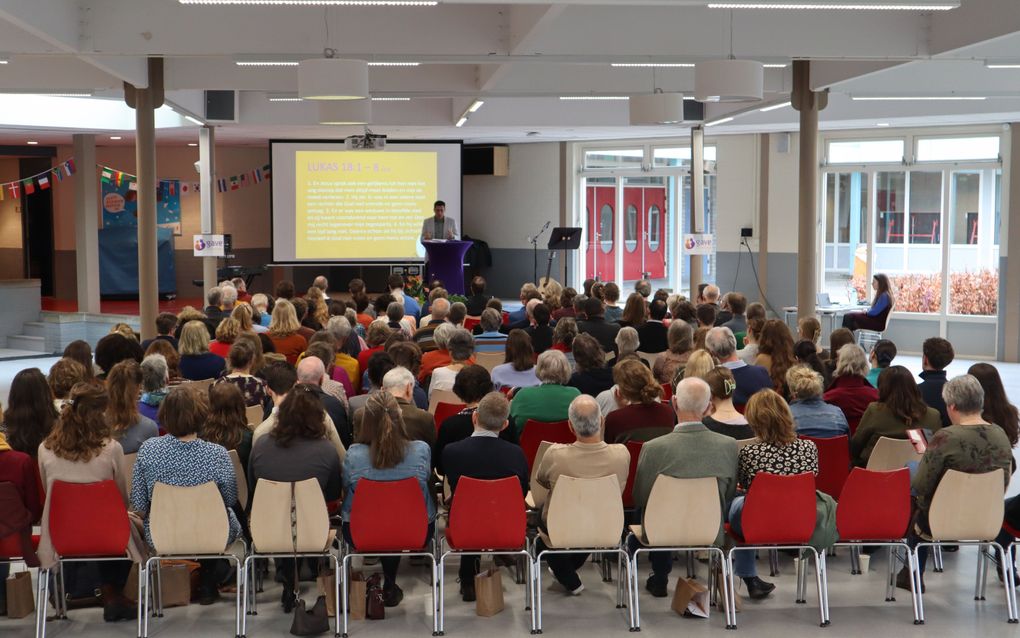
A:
x: 972, y: 339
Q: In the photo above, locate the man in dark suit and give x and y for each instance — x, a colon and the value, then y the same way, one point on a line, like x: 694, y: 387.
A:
x: 526, y: 322
x: 476, y: 302
x: 652, y: 333
x: 485, y: 456
x: 597, y: 326
x: 312, y: 371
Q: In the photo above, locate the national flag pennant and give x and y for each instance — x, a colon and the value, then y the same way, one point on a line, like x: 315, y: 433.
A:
x: 196, y: 187
x: 106, y: 176
x: 256, y: 175
x: 44, y: 182
x: 172, y: 187
x: 13, y: 188
x: 29, y: 185
x: 58, y: 174
x: 266, y: 171
x: 119, y: 176
x: 221, y: 185
x: 184, y: 189
x: 234, y: 183
x: 244, y: 179
x: 69, y: 167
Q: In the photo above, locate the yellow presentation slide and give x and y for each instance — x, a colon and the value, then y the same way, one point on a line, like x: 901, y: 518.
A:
x: 362, y: 204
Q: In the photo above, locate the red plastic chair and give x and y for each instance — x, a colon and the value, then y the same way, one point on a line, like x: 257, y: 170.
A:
x: 506, y: 318
x: 667, y: 392
x: 388, y: 518
x: 833, y: 463
x: 634, y: 447
x: 779, y: 513
x: 535, y: 432
x: 874, y: 511
x: 446, y: 410
x: 471, y: 322
x: 87, y: 522
x: 486, y: 516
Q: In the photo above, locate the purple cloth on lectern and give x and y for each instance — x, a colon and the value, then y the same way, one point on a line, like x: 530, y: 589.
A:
x: 446, y: 262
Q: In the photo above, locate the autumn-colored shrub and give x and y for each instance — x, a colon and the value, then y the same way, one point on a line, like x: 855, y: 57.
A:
x: 970, y: 293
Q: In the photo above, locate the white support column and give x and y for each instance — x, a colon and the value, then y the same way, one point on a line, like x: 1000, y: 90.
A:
x: 86, y: 223
x: 207, y: 170
x: 697, y: 207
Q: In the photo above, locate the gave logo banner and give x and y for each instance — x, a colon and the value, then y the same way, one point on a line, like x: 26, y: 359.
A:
x: 699, y: 244
x: 209, y: 246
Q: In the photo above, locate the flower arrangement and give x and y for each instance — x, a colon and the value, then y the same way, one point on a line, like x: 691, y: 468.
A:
x: 414, y: 286
x: 970, y: 292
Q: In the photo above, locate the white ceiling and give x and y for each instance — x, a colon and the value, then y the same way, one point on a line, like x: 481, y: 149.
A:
x: 519, y: 56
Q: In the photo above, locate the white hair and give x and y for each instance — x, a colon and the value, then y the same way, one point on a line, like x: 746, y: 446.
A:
x: 585, y: 416
x: 553, y: 367
x: 692, y: 396
x: 397, y: 379
x: 229, y: 295
x: 627, y: 340
x: 311, y: 370
x: 721, y: 342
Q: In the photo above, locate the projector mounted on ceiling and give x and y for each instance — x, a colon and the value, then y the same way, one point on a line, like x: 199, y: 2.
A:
x: 369, y: 141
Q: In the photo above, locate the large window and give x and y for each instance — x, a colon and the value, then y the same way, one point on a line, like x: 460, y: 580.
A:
x: 934, y: 224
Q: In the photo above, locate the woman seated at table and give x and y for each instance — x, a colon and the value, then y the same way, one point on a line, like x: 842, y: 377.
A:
x: 876, y: 315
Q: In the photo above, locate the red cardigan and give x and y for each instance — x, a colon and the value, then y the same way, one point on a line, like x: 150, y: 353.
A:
x: 852, y: 395
x: 21, y: 470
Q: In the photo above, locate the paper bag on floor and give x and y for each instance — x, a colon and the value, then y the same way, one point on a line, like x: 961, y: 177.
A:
x: 20, y: 602
x: 488, y: 592
x: 691, y: 598
x: 720, y: 594
x: 175, y: 582
x: 327, y: 588
x: 131, y: 585
x: 357, y: 591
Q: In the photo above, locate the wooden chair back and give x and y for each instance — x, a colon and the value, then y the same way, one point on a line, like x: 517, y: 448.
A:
x: 892, y: 454
x: 489, y: 360
x: 585, y: 513
x: 441, y: 396
x: 271, y: 517
x: 698, y: 499
x: 188, y: 520
x: 967, y: 507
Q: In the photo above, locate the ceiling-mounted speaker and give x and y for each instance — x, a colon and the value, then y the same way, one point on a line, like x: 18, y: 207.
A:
x: 333, y: 79
x: 729, y: 81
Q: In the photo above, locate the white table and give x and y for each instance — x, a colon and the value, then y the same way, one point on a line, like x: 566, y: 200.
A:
x: 831, y: 313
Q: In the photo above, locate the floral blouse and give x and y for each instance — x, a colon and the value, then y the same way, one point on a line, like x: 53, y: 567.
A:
x: 786, y: 460
x: 252, y: 388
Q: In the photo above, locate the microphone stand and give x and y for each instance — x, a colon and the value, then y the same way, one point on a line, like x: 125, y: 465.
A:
x: 534, y: 246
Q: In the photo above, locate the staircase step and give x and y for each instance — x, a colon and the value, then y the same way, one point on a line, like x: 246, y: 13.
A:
x: 34, y: 329
x: 26, y: 342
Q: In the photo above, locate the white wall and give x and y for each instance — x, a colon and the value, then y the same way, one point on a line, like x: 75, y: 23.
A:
x: 736, y: 188
x: 504, y: 211
x: 783, y: 195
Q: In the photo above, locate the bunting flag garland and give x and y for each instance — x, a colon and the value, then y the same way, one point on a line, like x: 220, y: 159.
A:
x: 39, y: 181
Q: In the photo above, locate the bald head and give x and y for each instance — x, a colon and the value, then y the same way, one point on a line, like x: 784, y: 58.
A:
x: 585, y: 417
x: 440, y: 308
x: 530, y: 307
x: 311, y: 370
x: 712, y: 293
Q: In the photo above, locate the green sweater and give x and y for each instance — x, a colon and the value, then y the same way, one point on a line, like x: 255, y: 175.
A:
x: 690, y: 451
x: 974, y: 449
x: 877, y: 421
x: 547, y: 402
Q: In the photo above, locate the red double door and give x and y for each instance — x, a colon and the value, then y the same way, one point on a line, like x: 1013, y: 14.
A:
x: 644, y: 232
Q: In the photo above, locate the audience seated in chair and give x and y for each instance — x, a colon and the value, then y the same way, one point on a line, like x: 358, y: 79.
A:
x: 899, y: 408
x: 750, y: 379
x: 811, y: 415
x: 724, y: 418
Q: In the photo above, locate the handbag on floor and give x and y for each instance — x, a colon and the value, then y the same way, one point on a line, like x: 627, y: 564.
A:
x: 306, y: 622
x: 374, y: 607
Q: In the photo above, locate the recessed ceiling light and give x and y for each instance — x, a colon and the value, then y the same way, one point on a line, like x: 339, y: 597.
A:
x: 192, y: 143
x: 319, y: 3
x: 883, y: 124
x: 285, y: 99
x: 258, y: 63
x: 859, y: 5
x: 1002, y: 64
x: 603, y: 98
x: 115, y: 137
x: 722, y: 121
x: 391, y: 99
x: 775, y: 107
x: 653, y: 65
x: 4, y: 61
x: 775, y: 66
x: 31, y: 142
x: 906, y: 98
x: 394, y: 64
x: 462, y: 121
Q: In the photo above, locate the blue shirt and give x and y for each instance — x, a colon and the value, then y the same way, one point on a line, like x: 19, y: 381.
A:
x: 749, y: 379
x: 818, y: 419
x: 168, y: 460
x: 490, y: 342
x: 879, y: 305
x: 504, y: 376
x: 417, y: 464
x: 411, y: 307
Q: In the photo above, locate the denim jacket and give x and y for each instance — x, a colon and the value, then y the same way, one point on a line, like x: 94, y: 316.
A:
x: 417, y: 463
x: 814, y: 417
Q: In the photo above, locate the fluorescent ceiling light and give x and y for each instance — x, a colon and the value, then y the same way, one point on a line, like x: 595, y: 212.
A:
x: 394, y: 64
x: 775, y: 66
x: 258, y: 63
x: 192, y: 143
x: 462, y: 121
x: 1002, y: 64
x: 653, y: 65
x: 859, y: 5
x: 722, y: 121
x: 53, y: 93
x: 115, y: 137
x: 882, y: 124
x: 31, y: 142
x: 477, y: 104
x: 319, y: 3
x: 285, y: 99
x: 391, y: 99
x: 775, y: 107
x: 907, y: 98
x: 50, y: 112
x: 4, y: 61
x: 594, y: 97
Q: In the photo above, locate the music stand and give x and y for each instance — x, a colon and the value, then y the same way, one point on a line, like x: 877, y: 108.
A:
x: 562, y: 238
